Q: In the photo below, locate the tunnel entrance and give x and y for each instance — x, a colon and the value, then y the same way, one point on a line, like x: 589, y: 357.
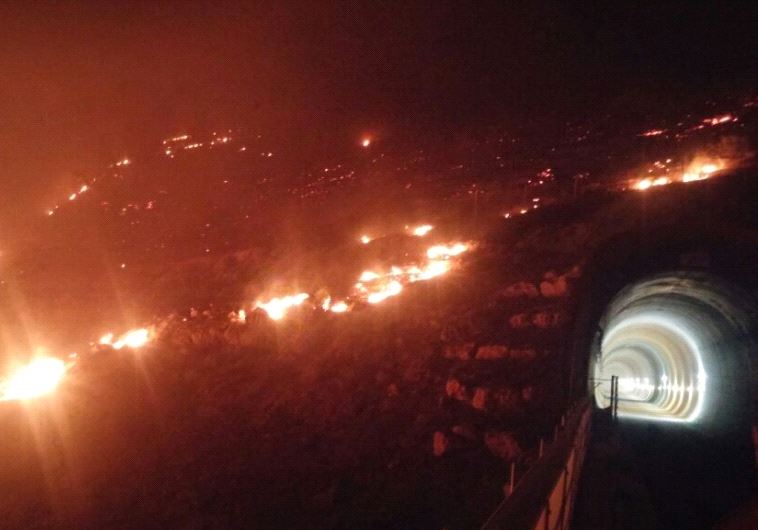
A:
x: 680, y: 344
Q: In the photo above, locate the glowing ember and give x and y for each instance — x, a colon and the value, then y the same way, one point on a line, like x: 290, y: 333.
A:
x: 661, y: 181
x: 432, y: 270
x: 376, y: 286
x: 392, y: 288
x: 719, y: 120
x: 133, y: 339
x: 365, y: 240
x: 180, y: 138
x: 277, y: 307
x: 699, y: 169
x: 707, y: 169
x: 38, y: 378
x: 369, y: 276
x: 327, y: 303
x: 339, y: 307
x: 446, y: 252
x: 692, y: 177
x: 421, y: 231
x: 643, y: 184
x: 366, y: 142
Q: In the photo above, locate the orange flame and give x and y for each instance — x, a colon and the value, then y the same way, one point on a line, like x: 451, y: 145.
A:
x: 422, y: 230
x: 393, y: 288
x: 133, y: 339
x: 277, y: 307
x: 38, y: 378
x: 698, y: 169
x: 339, y: 307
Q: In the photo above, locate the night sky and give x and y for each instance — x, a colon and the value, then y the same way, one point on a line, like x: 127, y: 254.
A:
x: 85, y: 83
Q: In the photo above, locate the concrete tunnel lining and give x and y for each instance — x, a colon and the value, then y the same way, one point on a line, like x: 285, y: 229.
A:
x: 681, y: 344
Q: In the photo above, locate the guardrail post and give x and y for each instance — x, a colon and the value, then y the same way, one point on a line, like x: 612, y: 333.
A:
x: 614, y: 398
x: 512, y: 481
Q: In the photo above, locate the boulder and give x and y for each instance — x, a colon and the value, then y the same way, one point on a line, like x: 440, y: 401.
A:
x: 455, y: 390
x: 523, y: 354
x: 553, y: 286
x: 547, y: 319
x: 520, y: 289
x: 520, y: 320
x: 479, y: 401
x: 440, y: 443
x: 465, y: 431
x: 492, y: 351
x: 506, y: 399
x: 458, y: 351
x: 502, y: 445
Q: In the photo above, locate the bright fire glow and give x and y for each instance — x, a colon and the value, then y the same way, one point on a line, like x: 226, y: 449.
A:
x: 421, y: 231
x: 698, y: 169
x: 327, y: 303
x: 366, y: 142
x: 365, y: 239
x: 432, y: 270
x: 376, y: 285
x: 339, y: 307
x: 277, y: 307
x: 661, y: 181
x: 446, y: 251
x: 369, y: 276
x: 38, y: 378
x: 392, y: 288
x: 719, y: 120
x: 133, y: 339
x: 643, y: 184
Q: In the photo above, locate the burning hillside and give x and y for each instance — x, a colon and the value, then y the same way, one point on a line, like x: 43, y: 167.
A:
x: 383, y: 328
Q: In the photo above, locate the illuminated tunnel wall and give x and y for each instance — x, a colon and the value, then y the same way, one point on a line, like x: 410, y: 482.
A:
x: 681, y: 346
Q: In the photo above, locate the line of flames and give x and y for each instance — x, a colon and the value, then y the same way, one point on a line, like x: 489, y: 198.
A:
x: 42, y: 375
x: 373, y: 286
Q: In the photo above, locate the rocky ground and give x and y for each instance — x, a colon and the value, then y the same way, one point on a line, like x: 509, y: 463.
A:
x: 403, y: 415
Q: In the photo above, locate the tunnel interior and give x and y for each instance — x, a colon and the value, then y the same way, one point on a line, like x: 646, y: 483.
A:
x: 681, y: 345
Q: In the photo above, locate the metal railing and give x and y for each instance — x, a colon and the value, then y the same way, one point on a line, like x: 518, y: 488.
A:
x: 543, y: 496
